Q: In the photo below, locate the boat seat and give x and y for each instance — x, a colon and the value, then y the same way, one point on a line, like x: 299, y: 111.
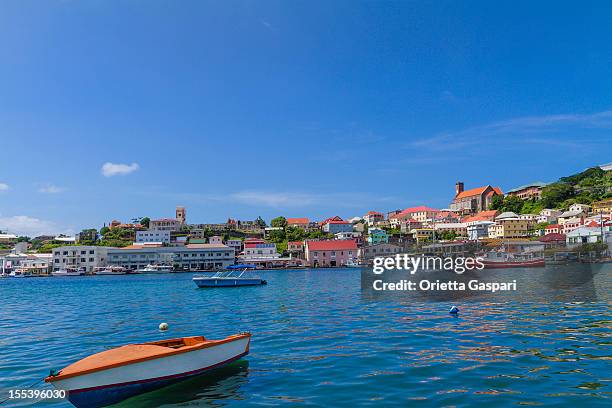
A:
x: 192, y: 341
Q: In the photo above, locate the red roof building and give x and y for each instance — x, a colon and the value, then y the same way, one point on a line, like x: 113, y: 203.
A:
x: 330, y: 253
x: 298, y: 222
x: 473, y: 200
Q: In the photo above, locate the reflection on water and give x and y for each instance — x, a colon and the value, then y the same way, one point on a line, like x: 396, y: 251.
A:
x: 319, y: 339
x: 210, y: 388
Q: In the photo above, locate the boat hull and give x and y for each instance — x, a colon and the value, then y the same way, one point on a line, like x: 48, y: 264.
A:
x: 112, y: 385
x: 536, y: 263
x: 217, y: 282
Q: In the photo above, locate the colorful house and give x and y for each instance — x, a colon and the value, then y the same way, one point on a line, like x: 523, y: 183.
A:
x: 330, y: 253
x: 373, y: 217
x: 377, y: 236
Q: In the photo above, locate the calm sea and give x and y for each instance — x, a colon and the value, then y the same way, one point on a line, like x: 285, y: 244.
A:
x: 320, y: 339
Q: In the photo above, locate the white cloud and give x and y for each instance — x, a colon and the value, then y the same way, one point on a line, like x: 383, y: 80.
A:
x: 4, y: 187
x: 50, y: 189
x: 301, y: 199
x: 540, y: 130
x: 118, y: 169
x: 30, y: 226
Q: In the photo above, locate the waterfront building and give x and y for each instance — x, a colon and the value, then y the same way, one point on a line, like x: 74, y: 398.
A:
x: 188, y: 257
x: 553, y: 240
x: 330, y: 253
x: 153, y: 235
x: 258, y: 248
x: 165, y: 224
x: 377, y: 236
x: 303, y: 223
x: 459, y: 228
x: 368, y: 252
x: 588, y: 235
x: 528, y: 191
x: 30, y: 264
x: 296, y: 249
x: 474, y: 200
x: 478, y: 229
x: 86, y: 258
x: 603, y: 206
x: 334, y: 226
x: 373, y: 217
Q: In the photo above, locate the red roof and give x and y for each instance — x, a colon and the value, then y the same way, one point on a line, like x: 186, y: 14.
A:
x: 477, y: 191
x: 292, y: 221
x: 334, y: 218
x: 552, y: 237
x: 332, y: 245
x: 336, y: 222
x: 421, y: 208
x: 374, y: 213
x: 481, y: 216
x: 553, y: 226
x: 299, y: 243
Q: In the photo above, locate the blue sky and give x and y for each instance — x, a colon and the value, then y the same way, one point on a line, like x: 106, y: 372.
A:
x: 302, y: 108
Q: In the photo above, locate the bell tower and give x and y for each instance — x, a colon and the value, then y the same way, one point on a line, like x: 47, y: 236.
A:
x: 181, y: 215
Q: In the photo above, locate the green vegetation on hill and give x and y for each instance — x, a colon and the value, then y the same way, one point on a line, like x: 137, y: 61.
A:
x: 291, y: 233
x: 116, y: 237
x: 585, y: 188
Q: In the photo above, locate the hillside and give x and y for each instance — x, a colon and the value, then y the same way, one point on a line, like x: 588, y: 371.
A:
x: 586, y: 187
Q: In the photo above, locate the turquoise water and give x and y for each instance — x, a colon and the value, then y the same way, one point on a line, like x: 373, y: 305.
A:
x: 319, y: 340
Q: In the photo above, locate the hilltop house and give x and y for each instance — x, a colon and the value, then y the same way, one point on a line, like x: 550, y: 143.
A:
x: 298, y: 222
x: 421, y: 214
x: 474, y: 200
x: 377, y: 236
x: 373, y: 217
x: 333, y: 227
x: 528, y: 191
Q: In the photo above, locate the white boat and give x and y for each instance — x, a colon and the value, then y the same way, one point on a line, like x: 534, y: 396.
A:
x: 20, y: 273
x: 111, y: 270
x: 113, y: 375
x: 69, y: 271
x: 353, y: 264
x: 229, y: 278
x: 155, y: 269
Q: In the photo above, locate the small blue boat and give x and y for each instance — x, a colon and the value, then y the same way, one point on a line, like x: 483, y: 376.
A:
x: 232, y: 276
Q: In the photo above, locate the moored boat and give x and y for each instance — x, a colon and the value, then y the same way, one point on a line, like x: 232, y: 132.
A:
x: 114, y: 375
x: 155, y: 269
x: 111, y: 270
x: 69, y: 271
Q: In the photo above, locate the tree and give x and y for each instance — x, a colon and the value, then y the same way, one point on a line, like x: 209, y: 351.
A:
x: 260, y: 222
x: 104, y: 231
x: 554, y: 194
x: 144, y: 221
x: 23, y: 239
x: 279, y: 222
x: 497, y: 202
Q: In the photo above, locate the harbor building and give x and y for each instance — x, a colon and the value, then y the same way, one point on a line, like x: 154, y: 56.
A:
x: 86, y: 258
x: 330, y: 253
x: 189, y: 257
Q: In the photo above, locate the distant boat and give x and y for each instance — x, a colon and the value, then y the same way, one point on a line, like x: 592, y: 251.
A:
x: 155, y: 269
x: 69, y: 271
x: 353, y: 264
x: 501, y: 259
x: 114, y: 375
x: 111, y: 270
x: 231, y: 277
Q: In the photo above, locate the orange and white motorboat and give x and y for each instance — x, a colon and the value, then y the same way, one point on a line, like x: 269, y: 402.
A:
x: 114, y: 375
